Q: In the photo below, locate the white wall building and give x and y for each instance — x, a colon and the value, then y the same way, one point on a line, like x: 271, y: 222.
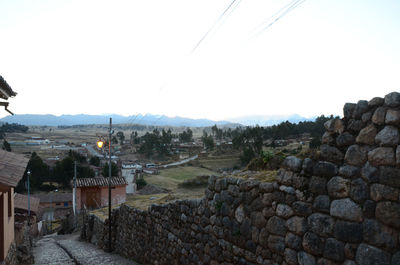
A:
x: 128, y: 171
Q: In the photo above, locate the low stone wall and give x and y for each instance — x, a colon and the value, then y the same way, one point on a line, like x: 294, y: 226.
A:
x: 343, y: 210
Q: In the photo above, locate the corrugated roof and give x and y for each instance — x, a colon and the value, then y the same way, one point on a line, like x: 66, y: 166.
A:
x: 5, y: 89
x: 21, y: 202
x: 100, y: 182
x: 54, y: 197
x: 12, y: 168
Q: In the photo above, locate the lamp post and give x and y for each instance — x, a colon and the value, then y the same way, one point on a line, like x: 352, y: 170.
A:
x: 100, y: 144
x: 29, y: 198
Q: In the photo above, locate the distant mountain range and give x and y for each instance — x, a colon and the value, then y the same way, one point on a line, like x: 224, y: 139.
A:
x: 269, y: 120
x: 147, y: 119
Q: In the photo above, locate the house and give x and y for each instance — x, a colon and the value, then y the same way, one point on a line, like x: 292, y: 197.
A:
x: 54, y: 205
x: 22, y: 213
x: 92, y: 193
x: 5, y: 93
x: 129, y: 171
x: 12, y: 168
x: 24, y: 216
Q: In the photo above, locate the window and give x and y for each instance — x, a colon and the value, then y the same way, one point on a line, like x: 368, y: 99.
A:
x: 65, y: 204
x: 9, y: 203
x: 58, y: 203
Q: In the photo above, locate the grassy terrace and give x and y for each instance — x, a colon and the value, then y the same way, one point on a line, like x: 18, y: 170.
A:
x: 171, y: 178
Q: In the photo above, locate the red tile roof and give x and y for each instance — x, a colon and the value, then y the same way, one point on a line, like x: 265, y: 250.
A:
x: 21, y: 202
x: 100, y: 182
x: 12, y: 168
x: 54, y: 197
x: 5, y: 89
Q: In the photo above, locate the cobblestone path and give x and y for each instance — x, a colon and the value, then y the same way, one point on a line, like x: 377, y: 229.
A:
x: 55, y: 250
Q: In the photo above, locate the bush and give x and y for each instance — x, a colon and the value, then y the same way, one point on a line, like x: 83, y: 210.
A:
x: 140, y: 183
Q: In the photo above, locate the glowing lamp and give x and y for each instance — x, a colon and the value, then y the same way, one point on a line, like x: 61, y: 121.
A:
x: 100, y: 144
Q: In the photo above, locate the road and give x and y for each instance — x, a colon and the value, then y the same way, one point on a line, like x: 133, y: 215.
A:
x: 184, y: 161
x: 68, y: 250
x: 93, y: 152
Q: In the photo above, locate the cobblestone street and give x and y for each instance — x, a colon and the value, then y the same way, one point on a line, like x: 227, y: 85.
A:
x: 55, y: 250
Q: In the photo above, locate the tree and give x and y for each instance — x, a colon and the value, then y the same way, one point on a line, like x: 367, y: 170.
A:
x: 6, y: 146
x: 186, y: 136
x: 95, y: 161
x: 114, y: 170
x: 39, y: 172
x: 121, y: 137
x: 208, y: 141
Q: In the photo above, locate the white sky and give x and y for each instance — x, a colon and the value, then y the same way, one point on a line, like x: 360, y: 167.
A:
x: 129, y: 57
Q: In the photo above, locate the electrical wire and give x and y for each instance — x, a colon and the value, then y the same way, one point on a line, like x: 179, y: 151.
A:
x: 217, y: 22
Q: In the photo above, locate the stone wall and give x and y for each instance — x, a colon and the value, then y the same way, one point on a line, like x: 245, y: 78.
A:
x: 342, y: 210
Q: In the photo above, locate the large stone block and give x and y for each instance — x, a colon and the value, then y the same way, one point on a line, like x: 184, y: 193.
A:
x: 388, y: 213
x: 388, y: 136
x: 334, y: 250
x: 355, y: 156
x: 359, y: 191
x: 345, y: 139
x: 369, y: 173
x: 325, y: 169
x: 389, y: 176
x: 376, y: 102
x: 382, y: 156
x: 379, y: 115
x: 305, y: 259
x: 302, y: 208
x: 367, y: 135
x: 320, y: 224
x: 293, y: 241
x: 290, y: 256
x: 348, y: 231
x: 293, y: 163
x: 392, y: 99
x: 284, y: 210
x: 276, y: 225
x: 361, y: 108
x: 334, y: 125
x: 392, y: 117
x: 381, y: 192
x: 349, y: 171
x: 346, y: 209
x: 338, y: 187
x: 317, y: 185
x: 369, y: 255
x: 355, y: 126
x: 348, y: 110
x: 379, y: 235
x: 297, y: 225
x: 313, y: 244
x: 276, y: 244
x: 331, y: 153
x: 322, y: 203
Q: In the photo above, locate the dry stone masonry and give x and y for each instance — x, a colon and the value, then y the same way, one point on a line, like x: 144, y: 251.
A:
x: 342, y: 210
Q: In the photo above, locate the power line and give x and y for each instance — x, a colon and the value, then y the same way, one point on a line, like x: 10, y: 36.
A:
x: 217, y: 22
x: 280, y: 14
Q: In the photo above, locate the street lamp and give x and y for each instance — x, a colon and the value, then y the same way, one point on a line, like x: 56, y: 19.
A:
x: 29, y: 198
x: 100, y: 144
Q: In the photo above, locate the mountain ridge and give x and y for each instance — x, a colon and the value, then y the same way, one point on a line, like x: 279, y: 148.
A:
x: 147, y: 119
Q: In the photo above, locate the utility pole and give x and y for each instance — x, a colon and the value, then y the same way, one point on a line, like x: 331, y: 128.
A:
x: 29, y: 198
x: 109, y: 188
x: 74, y: 196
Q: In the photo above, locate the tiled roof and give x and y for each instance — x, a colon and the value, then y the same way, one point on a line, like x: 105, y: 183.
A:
x: 21, y: 202
x: 100, y: 182
x: 54, y: 197
x: 12, y: 168
x: 5, y: 89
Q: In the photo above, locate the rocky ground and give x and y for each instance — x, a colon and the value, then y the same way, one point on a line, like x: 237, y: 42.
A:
x: 67, y: 249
